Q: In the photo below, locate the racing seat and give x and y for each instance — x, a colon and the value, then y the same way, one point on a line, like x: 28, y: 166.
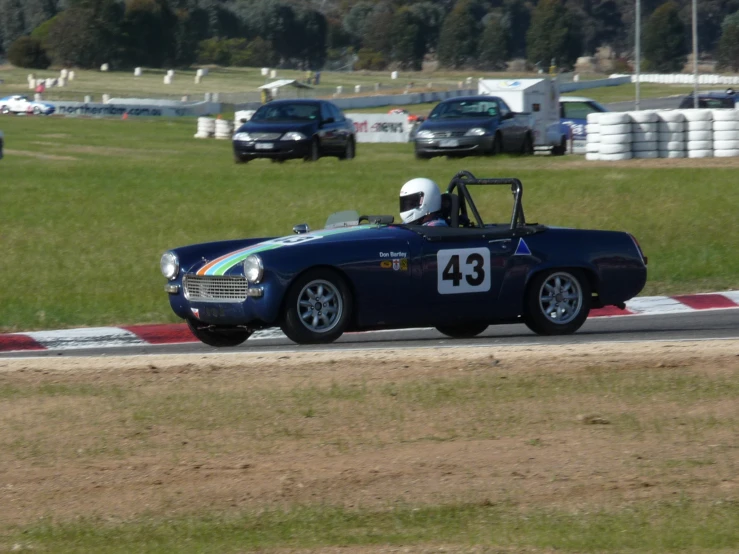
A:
x: 450, y: 209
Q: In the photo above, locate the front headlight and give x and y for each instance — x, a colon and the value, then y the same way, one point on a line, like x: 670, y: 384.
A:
x: 244, y: 137
x: 294, y: 135
x: 424, y: 134
x: 475, y: 132
x: 170, y: 265
x: 253, y: 269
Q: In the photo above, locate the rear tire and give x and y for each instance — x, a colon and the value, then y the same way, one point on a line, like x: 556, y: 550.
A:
x: 318, y: 307
x: 560, y: 150
x: 224, y: 338
x: 465, y: 331
x: 557, y: 302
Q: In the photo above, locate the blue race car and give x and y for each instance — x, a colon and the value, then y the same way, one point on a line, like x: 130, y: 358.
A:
x: 364, y: 272
x: 21, y: 104
x: 574, y: 111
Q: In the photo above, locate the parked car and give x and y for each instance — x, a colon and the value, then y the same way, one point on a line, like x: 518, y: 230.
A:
x: 21, y: 104
x: 473, y: 125
x: 574, y: 111
x: 287, y: 129
x: 710, y: 99
x: 364, y: 272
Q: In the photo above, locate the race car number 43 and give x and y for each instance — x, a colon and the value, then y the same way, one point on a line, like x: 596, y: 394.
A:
x: 464, y: 270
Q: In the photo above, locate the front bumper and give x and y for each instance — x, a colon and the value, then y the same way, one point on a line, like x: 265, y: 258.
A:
x: 457, y: 145
x: 273, y: 149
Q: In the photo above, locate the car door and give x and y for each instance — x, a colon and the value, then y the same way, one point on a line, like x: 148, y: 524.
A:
x: 509, y: 128
x: 327, y: 131
x: 17, y: 104
x: 342, y: 129
x: 462, y: 275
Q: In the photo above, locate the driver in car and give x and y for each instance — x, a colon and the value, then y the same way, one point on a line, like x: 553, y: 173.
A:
x: 420, y: 203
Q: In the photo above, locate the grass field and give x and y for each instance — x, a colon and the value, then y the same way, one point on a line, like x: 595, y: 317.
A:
x: 88, y: 206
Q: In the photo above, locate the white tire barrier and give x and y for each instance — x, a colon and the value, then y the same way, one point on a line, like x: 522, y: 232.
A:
x: 671, y: 137
x: 699, y: 125
x: 624, y: 138
x: 612, y: 118
x: 726, y: 135
x: 224, y: 129
x: 698, y: 135
x: 725, y: 115
x: 594, y: 117
x: 645, y: 127
x: 644, y: 117
x: 698, y: 115
x: 644, y: 136
x: 592, y: 156
x: 671, y: 126
x: 615, y: 148
x: 592, y: 147
x: 678, y: 145
x: 644, y: 146
x: 646, y: 155
x: 671, y: 116
x: 616, y: 129
x: 672, y: 154
x: 699, y: 145
x: 726, y: 125
x: 700, y: 153
x: 726, y: 144
x: 615, y: 157
x: 592, y: 128
x: 726, y: 153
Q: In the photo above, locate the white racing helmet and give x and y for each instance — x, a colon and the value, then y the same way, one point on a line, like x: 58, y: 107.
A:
x: 418, y: 198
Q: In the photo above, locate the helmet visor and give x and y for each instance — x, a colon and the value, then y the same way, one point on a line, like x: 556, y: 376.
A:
x: 411, y: 202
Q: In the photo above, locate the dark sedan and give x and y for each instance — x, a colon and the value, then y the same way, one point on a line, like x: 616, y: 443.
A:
x: 474, y: 125
x: 289, y: 129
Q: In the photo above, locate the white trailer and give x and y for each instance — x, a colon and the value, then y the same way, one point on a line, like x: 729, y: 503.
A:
x: 538, y: 97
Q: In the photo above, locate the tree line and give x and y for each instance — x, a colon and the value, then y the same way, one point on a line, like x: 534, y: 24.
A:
x: 358, y: 34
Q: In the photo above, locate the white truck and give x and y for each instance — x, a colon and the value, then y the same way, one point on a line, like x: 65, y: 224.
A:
x: 538, y: 97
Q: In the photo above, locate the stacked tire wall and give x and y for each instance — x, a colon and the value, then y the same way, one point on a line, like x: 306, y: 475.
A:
x: 613, y: 136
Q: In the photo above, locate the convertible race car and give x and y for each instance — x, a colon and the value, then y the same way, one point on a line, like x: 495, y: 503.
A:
x: 21, y: 104
x: 365, y: 272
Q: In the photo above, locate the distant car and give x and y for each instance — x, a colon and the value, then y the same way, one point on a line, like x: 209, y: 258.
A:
x: 21, y: 104
x: 711, y: 99
x: 473, y: 125
x: 288, y: 129
x: 574, y: 111
x: 364, y: 272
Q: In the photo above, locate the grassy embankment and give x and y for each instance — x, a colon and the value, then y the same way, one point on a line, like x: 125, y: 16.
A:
x: 88, y: 206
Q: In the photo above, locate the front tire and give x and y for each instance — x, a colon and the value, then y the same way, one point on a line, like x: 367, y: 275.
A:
x: 557, y: 302
x: 466, y: 331
x: 497, y: 146
x: 315, y: 151
x: 349, y: 150
x: 318, y: 307
x: 240, y: 159
x: 560, y: 150
x: 219, y: 338
x: 527, y: 148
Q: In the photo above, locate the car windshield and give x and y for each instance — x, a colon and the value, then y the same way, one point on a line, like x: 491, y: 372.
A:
x: 464, y: 109
x: 287, y: 112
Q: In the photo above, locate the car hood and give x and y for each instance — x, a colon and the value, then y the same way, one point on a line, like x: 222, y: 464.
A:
x: 455, y: 124
x: 281, y: 127
x: 324, y: 237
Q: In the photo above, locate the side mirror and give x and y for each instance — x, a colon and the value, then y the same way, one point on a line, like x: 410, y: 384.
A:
x: 301, y: 228
x: 509, y: 115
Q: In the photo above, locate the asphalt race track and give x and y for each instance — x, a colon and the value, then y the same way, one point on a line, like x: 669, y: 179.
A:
x: 705, y: 325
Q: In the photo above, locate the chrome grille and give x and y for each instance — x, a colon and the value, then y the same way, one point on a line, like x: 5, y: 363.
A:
x: 265, y: 136
x: 448, y: 134
x: 215, y: 288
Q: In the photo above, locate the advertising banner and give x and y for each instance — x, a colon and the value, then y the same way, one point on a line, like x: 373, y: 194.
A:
x: 377, y: 127
x: 90, y: 109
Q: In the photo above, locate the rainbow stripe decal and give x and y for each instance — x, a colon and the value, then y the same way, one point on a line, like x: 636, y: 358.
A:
x: 221, y: 265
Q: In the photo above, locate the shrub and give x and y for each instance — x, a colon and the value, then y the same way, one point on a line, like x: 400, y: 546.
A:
x: 28, y: 52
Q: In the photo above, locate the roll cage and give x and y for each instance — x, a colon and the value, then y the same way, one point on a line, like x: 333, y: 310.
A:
x: 455, y: 205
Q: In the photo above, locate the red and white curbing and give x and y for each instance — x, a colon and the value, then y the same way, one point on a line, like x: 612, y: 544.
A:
x: 141, y: 335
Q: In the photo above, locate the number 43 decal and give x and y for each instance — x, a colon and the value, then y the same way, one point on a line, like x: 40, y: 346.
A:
x: 464, y: 270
